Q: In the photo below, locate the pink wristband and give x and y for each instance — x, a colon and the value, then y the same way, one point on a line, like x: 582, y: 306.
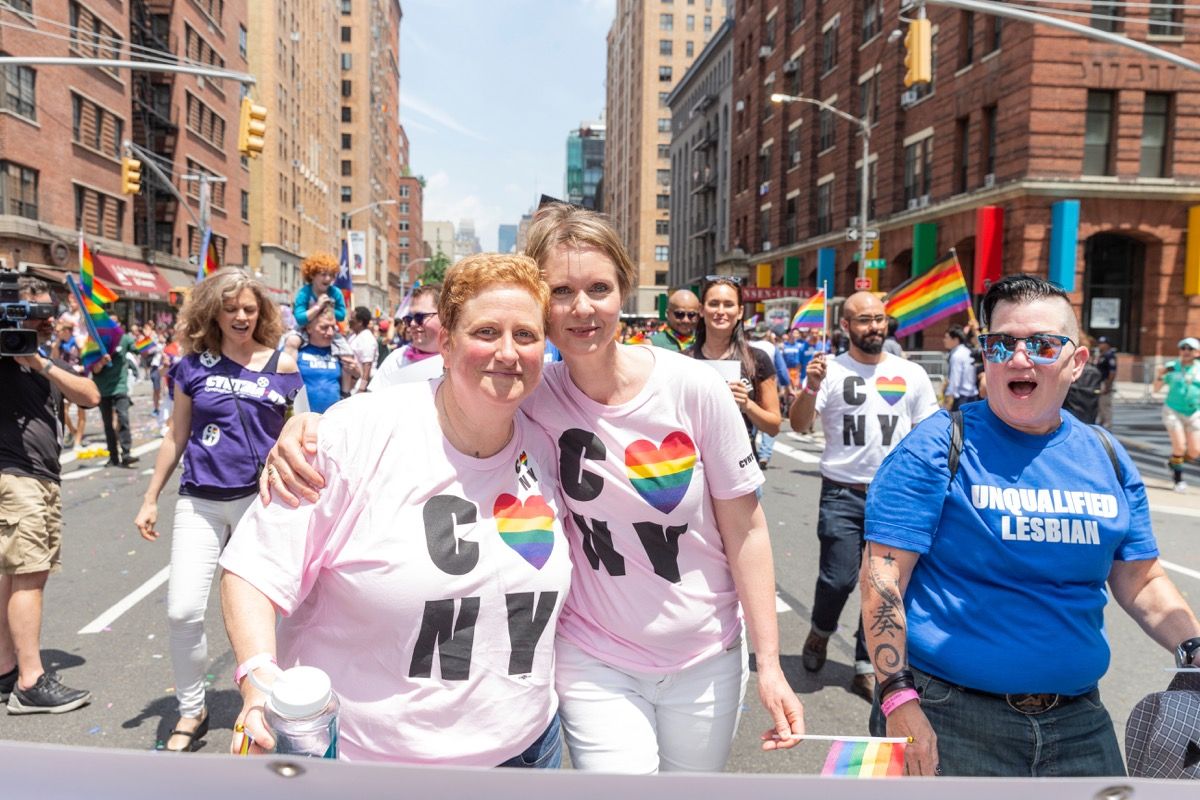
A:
x: 897, y: 699
x: 250, y: 664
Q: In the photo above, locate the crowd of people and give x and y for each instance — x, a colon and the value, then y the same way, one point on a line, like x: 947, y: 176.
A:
x: 502, y: 531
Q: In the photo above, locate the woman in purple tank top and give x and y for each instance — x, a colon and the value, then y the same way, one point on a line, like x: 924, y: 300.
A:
x: 232, y: 391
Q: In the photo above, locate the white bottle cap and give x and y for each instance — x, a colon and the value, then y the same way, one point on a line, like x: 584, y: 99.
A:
x: 300, y: 692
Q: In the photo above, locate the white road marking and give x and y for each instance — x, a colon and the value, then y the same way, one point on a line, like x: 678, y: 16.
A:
x: 69, y: 456
x: 129, y: 601
x: 82, y: 472
x: 781, y: 606
x: 1182, y: 570
x: 1183, y: 512
x: 147, y: 471
x: 802, y: 456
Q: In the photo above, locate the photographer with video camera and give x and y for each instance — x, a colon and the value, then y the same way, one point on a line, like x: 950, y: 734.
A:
x: 31, y: 425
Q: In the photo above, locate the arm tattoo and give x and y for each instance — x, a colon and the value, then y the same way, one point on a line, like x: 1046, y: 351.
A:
x: 887, y: 616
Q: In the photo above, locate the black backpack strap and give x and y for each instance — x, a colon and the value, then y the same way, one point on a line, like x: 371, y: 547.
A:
x: 1102, y: 435
x: 272, y: 365
x: 956, y: 442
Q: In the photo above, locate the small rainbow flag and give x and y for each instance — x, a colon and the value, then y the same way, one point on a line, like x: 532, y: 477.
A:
x: 526, y: 527
x: 811, y: 313
x: 661, y: 475
x: 144, y: 344
x: 638, y: 337
x: 921, y: 301
x: 210, y: 260
x: 92, y: 287
x: 871, y: 759
x: 102, y: 329
x: 752, y: 322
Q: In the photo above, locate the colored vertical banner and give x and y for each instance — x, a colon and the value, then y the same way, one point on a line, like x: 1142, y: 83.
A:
x: 1191, y: 262
x: 357, y: 244
x: 791, y: 271
x: 1064, y: 243
x: 762, y: 277
x: 826, y: 270
x: 924, y: 249
x: 989, y: 247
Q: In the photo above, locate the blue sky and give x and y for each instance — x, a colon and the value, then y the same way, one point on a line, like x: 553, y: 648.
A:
x: 489, y: 90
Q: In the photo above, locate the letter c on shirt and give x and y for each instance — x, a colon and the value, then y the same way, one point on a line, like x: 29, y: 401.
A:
x: 574, y: 445
x: 449, y: 553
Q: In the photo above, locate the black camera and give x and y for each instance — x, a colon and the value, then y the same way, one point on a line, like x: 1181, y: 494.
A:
x: 18, y: 341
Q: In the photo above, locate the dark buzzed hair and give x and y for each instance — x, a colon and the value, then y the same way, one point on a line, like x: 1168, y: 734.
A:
x: 1019, y: 289
x: 363, y: 315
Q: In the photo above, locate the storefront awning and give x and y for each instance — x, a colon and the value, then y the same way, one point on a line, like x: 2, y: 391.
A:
x: 130, y: 279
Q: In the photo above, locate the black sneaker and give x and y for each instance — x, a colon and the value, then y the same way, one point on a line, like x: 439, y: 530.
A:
x: 129, y: 461
x: 48, y: 696
x: 126, y: 464
x: 7, y: 681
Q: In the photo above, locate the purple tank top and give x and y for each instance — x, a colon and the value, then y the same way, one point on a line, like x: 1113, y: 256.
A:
x: 224, y: 446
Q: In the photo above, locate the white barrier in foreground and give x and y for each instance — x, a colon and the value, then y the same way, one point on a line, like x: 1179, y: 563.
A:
x: 48, y: 772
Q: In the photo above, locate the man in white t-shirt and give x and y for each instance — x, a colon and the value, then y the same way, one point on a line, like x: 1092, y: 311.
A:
x: 868, y: 400
x: 364, y: 346
x: 419, y: 360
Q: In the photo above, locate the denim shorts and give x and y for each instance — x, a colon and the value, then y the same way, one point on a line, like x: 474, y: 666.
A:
x: 544, y: 753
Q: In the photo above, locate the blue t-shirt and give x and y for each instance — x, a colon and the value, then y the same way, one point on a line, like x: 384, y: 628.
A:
x: 322, y: 374
x: 792, y: 351
x: 1008, y: 595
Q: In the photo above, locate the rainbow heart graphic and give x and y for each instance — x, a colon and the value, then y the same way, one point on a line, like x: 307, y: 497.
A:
x: 891, y: 389
x: 661, y: 474
x: 528, y: 528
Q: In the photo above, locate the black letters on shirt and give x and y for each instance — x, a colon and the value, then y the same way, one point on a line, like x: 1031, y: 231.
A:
x: 850, y: 393
x: 598, y: 545
x: 574, y: 445
x: 451, y: 554
x: 526, y: 622
x: 887, y: 425
x: 662, y: 547
x: 453, y: 639
x: 854, y: 430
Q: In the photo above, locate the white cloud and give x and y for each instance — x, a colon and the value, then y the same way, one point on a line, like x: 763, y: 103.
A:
x: 444, y: 200
x: 415, y: 103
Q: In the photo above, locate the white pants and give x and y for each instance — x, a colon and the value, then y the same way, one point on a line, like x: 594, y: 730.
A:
x: 201, y: 529
x: 643, y: 723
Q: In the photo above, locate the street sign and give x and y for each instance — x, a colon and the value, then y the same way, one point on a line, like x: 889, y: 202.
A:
x: 852, y: 234
x: 871, y: 234
x: 862, y: 284
x: 876, y: 263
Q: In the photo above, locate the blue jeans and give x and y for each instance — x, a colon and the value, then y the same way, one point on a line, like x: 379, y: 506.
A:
x: 983, y: 735
x: 840, y: 532
x: 544, y: 753
x: 766, y: 446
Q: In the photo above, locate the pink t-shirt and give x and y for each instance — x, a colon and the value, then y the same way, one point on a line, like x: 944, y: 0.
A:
x: 652, y: 589
x: 426, y: 583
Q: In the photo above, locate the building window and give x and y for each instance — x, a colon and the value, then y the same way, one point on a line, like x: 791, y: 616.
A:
x: 404, y: 208
x: 664, y: 151
x: 347, y: 114
x: 346, y: 7
x: 689, y: 49
x: 868, y: 99
x: 665, y: 47
x: 872, y: 19
x: 245, y: 206
x: 205, y: 122
x: 662, y: 99
x: 660, y: 277
x: 825, y: 208
x: 764, y: 164
x: 769, y: 33
x: 666, y: 22
x: 20, y: 91
x: 661, y: 227
x: 664, y: 74
x: 347, y: 168
x: 347, y: 194
x: 347, y: 62
x: 829, y: 46
x: 872, y: 176
x: 664, y: 125
x: 662, y: 202
x: 826, y: 130
x: 18, y: 190
x: 794, y: 148
x: 347, y: 88
x: 1166, y: 18
x: 690, y: 23
x: 918, y: 169
x: 24, y: 6
x: 795, y: 12
x: 1097, y: 137
x: 1155, y: 117
x: 95, y: 128
x: 989, y: 141
x: 1106, y: 15
x: 794, y: 78
x: 962, y: 151
x: 346, y: 141
x: 764, y: 228
x: 664, y: 177
x: 661, y: 252
x: 243, y: 41
x: 404, y: 225
x: 404, y: 191
x: 789, y: 222
x: 995, y: 25
x: 966, y: 46
x: 98, y: 214
x: 708, y: 24
x: 346, y: 33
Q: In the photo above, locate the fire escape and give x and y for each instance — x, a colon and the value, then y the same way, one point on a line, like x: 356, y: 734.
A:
x: 155, y: 128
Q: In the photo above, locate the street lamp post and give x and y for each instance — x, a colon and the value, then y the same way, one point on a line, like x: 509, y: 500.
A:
x: 864, y: 125
x: 404, y: 272
x: 348, y: 214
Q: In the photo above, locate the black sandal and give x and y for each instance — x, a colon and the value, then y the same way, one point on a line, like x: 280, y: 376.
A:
x: 192, y: 736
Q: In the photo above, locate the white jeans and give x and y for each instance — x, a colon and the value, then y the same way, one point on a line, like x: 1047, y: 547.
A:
x: 201, y: 529
x: 642, y: 723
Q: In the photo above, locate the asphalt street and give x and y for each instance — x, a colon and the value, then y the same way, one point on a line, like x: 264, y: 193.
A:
x: 105, y: 613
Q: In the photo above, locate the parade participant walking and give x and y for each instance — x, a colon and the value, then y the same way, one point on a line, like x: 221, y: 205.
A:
x: 232, y: 389
x: 419, y: 359
x: 667, y: 537
x: 111, y: 374
x: 1106, y: 362
x: 364, y: 345
x: 989, y: 543
x: 440, y: 512
x: 962, y: 387
x: 868, y: 401
x: 323, y: 372
x: 319, y: 272
x: 31, y: 406
x: 1181, y: 410
x: 683, y: 314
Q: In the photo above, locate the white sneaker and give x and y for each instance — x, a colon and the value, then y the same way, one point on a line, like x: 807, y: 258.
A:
x: 1181, y: 487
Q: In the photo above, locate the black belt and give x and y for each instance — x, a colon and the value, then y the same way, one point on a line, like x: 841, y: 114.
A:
x: 1028, y: 704
x: 854, y: 487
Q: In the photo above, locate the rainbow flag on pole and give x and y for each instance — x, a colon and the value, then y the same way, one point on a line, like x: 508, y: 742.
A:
x: 865, y: 759
x: 102, y: 329
x: 921, y: 301
x: 92, y: 287
x: 811, y: 313
x: 144, y: 344
x: 210, y: 260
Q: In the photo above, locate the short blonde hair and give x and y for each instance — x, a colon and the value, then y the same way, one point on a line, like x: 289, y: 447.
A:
x: 318, y: 262
x: 198, y: 330
x: 471, y: 276
x: 557, y: 224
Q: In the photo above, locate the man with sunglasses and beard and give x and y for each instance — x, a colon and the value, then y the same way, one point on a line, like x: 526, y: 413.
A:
x: 418, y: 360
x: 683, y: 312
x: 989, y: 544
x: 868, y: 400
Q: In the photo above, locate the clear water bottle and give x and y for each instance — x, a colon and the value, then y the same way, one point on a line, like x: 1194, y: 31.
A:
x: 302, y: 712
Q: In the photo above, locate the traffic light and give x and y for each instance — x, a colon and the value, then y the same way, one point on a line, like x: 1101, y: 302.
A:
x: 918, y: 52
x: 131, y: 175
x: 252, y: 127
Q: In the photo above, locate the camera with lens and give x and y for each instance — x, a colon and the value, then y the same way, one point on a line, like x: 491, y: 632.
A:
x: 17, y: 340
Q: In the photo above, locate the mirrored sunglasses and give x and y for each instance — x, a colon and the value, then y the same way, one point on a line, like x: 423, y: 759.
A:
x: 1041, y: 348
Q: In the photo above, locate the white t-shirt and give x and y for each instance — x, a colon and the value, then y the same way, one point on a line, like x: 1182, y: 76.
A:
x: 399, y: 367
x: 652, y: 589
x: 426, y: 583
x: 365, y: 346
x: 866, y: 409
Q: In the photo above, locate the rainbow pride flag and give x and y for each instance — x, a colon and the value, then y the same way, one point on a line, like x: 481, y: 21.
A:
x: 144, y: 344
x: 811, y: 313
x: 92, y: 287
x: 104, y: 333
x: 921, y: 301
x: 210, y: 260
x: 873, y: 759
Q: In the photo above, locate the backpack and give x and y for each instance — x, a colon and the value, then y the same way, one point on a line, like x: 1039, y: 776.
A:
x: 956, y: 446
x: 1083, y: 398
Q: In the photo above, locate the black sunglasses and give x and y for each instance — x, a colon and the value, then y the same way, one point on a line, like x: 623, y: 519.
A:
x: 685, y: 314
x: 417, y: 318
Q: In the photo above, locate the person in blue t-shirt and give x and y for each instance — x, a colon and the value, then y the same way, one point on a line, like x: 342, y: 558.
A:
x: 983, y: 587
x: 320, y: 367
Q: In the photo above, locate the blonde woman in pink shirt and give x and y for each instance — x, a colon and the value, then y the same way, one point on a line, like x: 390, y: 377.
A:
x: 670, y: 546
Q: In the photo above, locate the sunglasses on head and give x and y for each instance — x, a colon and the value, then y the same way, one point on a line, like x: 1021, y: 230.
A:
x: 1040, y: 348
x: 736, y: 280
x: 417, y: 318
x: 685, y: 314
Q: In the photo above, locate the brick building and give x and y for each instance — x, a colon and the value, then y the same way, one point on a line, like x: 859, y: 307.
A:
x: 410, y: 241
x: 1034, y: 149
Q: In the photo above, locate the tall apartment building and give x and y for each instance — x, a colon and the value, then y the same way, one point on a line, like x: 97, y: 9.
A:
x: 294, y: 182
x: 410, y: 243
x: 466, y: 243
x: 585, y: 164
x: 1033, y: 150
x: 650, y: 45
x: 370, y: 166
